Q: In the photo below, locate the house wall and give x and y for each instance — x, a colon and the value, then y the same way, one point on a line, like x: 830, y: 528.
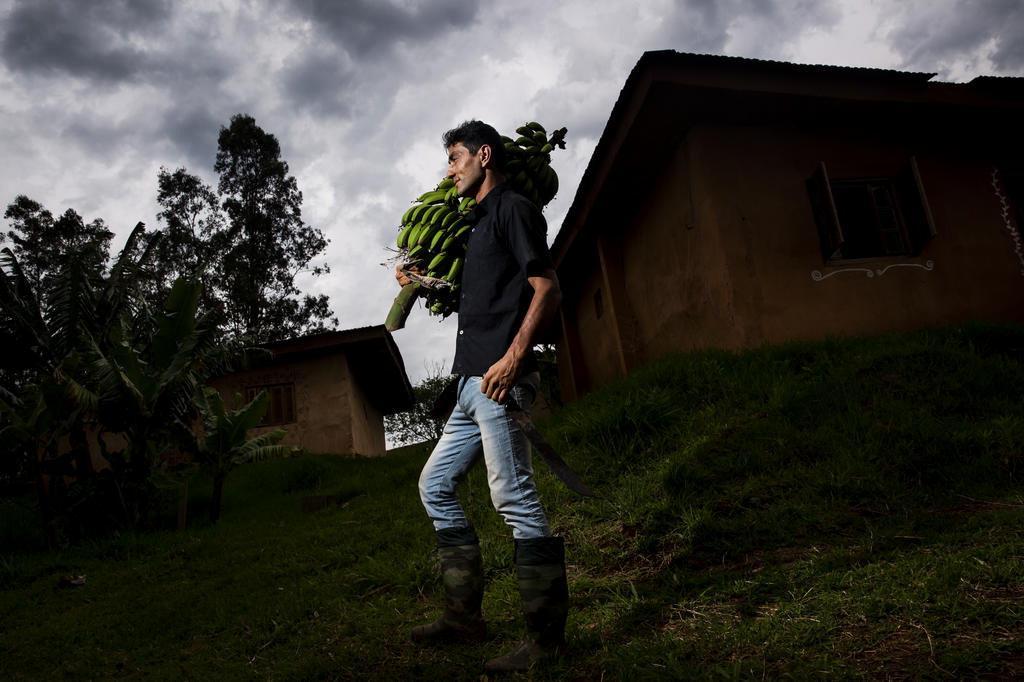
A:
x: 592, y: 349
x: 675, y: 274
x: 756, y: 179
x: 367, y: 422
x: 323, y: 393
x: 724, y: 251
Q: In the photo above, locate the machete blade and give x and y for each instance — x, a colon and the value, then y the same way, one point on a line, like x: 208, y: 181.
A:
x: 557, y: 464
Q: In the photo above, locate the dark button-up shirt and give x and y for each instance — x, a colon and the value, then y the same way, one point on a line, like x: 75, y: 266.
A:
x: 508, y: 244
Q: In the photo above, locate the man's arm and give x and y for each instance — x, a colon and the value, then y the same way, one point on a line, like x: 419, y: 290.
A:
x: 502, y: 375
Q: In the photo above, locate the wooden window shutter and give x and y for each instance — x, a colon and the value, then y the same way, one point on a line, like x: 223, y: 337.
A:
x: 920, y: 223
x: 825, y: 213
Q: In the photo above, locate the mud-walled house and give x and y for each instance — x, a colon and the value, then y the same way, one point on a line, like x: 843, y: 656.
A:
x: 328, y: 391
x: 736, y: 202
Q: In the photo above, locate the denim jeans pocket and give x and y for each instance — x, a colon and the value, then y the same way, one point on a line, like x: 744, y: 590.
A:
x: 525, y: 391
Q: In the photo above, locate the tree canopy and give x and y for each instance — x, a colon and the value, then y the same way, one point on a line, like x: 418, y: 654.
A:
x: 265, y: 243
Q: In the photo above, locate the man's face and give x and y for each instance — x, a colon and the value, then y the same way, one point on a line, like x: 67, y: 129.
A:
x: 465, y: 169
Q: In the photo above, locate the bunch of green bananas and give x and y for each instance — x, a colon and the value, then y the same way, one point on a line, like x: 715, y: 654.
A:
x: 434, y: 231
x: 528, y: 162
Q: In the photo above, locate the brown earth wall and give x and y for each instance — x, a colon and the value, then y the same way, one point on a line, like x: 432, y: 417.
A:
x: 322, y: 401
x: 781, y: 287
x: 367, y: 422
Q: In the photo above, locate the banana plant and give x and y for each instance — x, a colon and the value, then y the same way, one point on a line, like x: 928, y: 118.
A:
x: 225, y: 444
x: 145, y: 389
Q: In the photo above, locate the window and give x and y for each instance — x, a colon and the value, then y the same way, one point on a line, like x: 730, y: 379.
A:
x: 871, y: 217
x: 281, y: 409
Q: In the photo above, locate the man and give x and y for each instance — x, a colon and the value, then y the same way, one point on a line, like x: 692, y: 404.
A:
x: 510, y: 293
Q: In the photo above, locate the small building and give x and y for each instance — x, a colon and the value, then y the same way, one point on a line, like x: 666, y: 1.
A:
x: 736, y: 202
x: 329, y: 391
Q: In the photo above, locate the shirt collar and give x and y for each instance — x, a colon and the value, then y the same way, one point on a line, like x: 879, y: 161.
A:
x: 484, y: 207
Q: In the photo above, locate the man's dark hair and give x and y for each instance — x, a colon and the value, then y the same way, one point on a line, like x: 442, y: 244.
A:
x: 473, y: 135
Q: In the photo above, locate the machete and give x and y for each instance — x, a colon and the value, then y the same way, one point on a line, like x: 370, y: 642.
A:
x: 557, y: 464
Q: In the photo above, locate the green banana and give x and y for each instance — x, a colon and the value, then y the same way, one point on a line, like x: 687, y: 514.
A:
x: 438, y: 259
x: 410, y: 240
x: 439, y: 215
x: 428, y: 215
x: 403, y: 236
x: 432, y: 196
x: 418, y: 212
x: 425, y: 235
x: 407, y: 214
x: 450, y: 218
x: 536, y: 127
x: 436, y: 238
x: 454, y: 271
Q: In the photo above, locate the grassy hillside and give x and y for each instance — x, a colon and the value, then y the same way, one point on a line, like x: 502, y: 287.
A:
x: 846, y: 508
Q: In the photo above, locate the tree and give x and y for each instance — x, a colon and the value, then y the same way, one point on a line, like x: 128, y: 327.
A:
x: 145, y: 389
x: 420, y: 424
x: 58, y: 325
x: 225, y: 445
x: 41, y: 243
x: 266, y: 243
x: 190, y: 212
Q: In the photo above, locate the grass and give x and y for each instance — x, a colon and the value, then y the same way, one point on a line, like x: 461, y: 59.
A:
x: 848, y: 508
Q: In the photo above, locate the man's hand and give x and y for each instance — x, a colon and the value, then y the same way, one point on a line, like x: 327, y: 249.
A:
x: 501, y: 377
x: 402, y: 278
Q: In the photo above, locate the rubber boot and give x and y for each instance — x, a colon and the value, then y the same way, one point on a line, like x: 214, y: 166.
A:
x: 540, y: 571
x: 463, y: 578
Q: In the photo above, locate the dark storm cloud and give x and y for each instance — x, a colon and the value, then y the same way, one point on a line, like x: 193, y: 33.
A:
x: 702, y: 26
x: 102, y: 138
x: 319, y: 80
x: 368, y: 27
x: 930, y: 35
x: 94, y: 39
x: 193, y: 132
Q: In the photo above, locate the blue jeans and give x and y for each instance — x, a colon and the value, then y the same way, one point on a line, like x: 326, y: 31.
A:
x: 479, y: 425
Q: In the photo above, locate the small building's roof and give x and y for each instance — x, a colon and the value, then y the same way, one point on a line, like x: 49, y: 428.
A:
x: 373, y: 357
x: 668, y: 91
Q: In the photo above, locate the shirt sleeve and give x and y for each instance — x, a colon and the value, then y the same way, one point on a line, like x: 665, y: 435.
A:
x: 526, y: 235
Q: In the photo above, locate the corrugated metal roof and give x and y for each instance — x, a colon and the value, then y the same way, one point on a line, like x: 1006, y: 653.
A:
x: 703, y: 59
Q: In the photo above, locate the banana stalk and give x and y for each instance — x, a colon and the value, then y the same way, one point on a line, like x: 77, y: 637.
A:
x: 402, y: 306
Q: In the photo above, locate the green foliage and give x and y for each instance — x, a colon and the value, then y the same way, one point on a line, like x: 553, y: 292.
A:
x: 225, y: 444
x: 419, y: 423
x: 43, y: 244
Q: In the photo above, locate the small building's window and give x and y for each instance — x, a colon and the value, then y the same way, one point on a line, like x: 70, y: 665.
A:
x: 871, y: 217
x: 598, y: 304
x: 281, y: 409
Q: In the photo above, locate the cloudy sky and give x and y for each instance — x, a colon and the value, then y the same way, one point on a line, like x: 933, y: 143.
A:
x: 97, y: 95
